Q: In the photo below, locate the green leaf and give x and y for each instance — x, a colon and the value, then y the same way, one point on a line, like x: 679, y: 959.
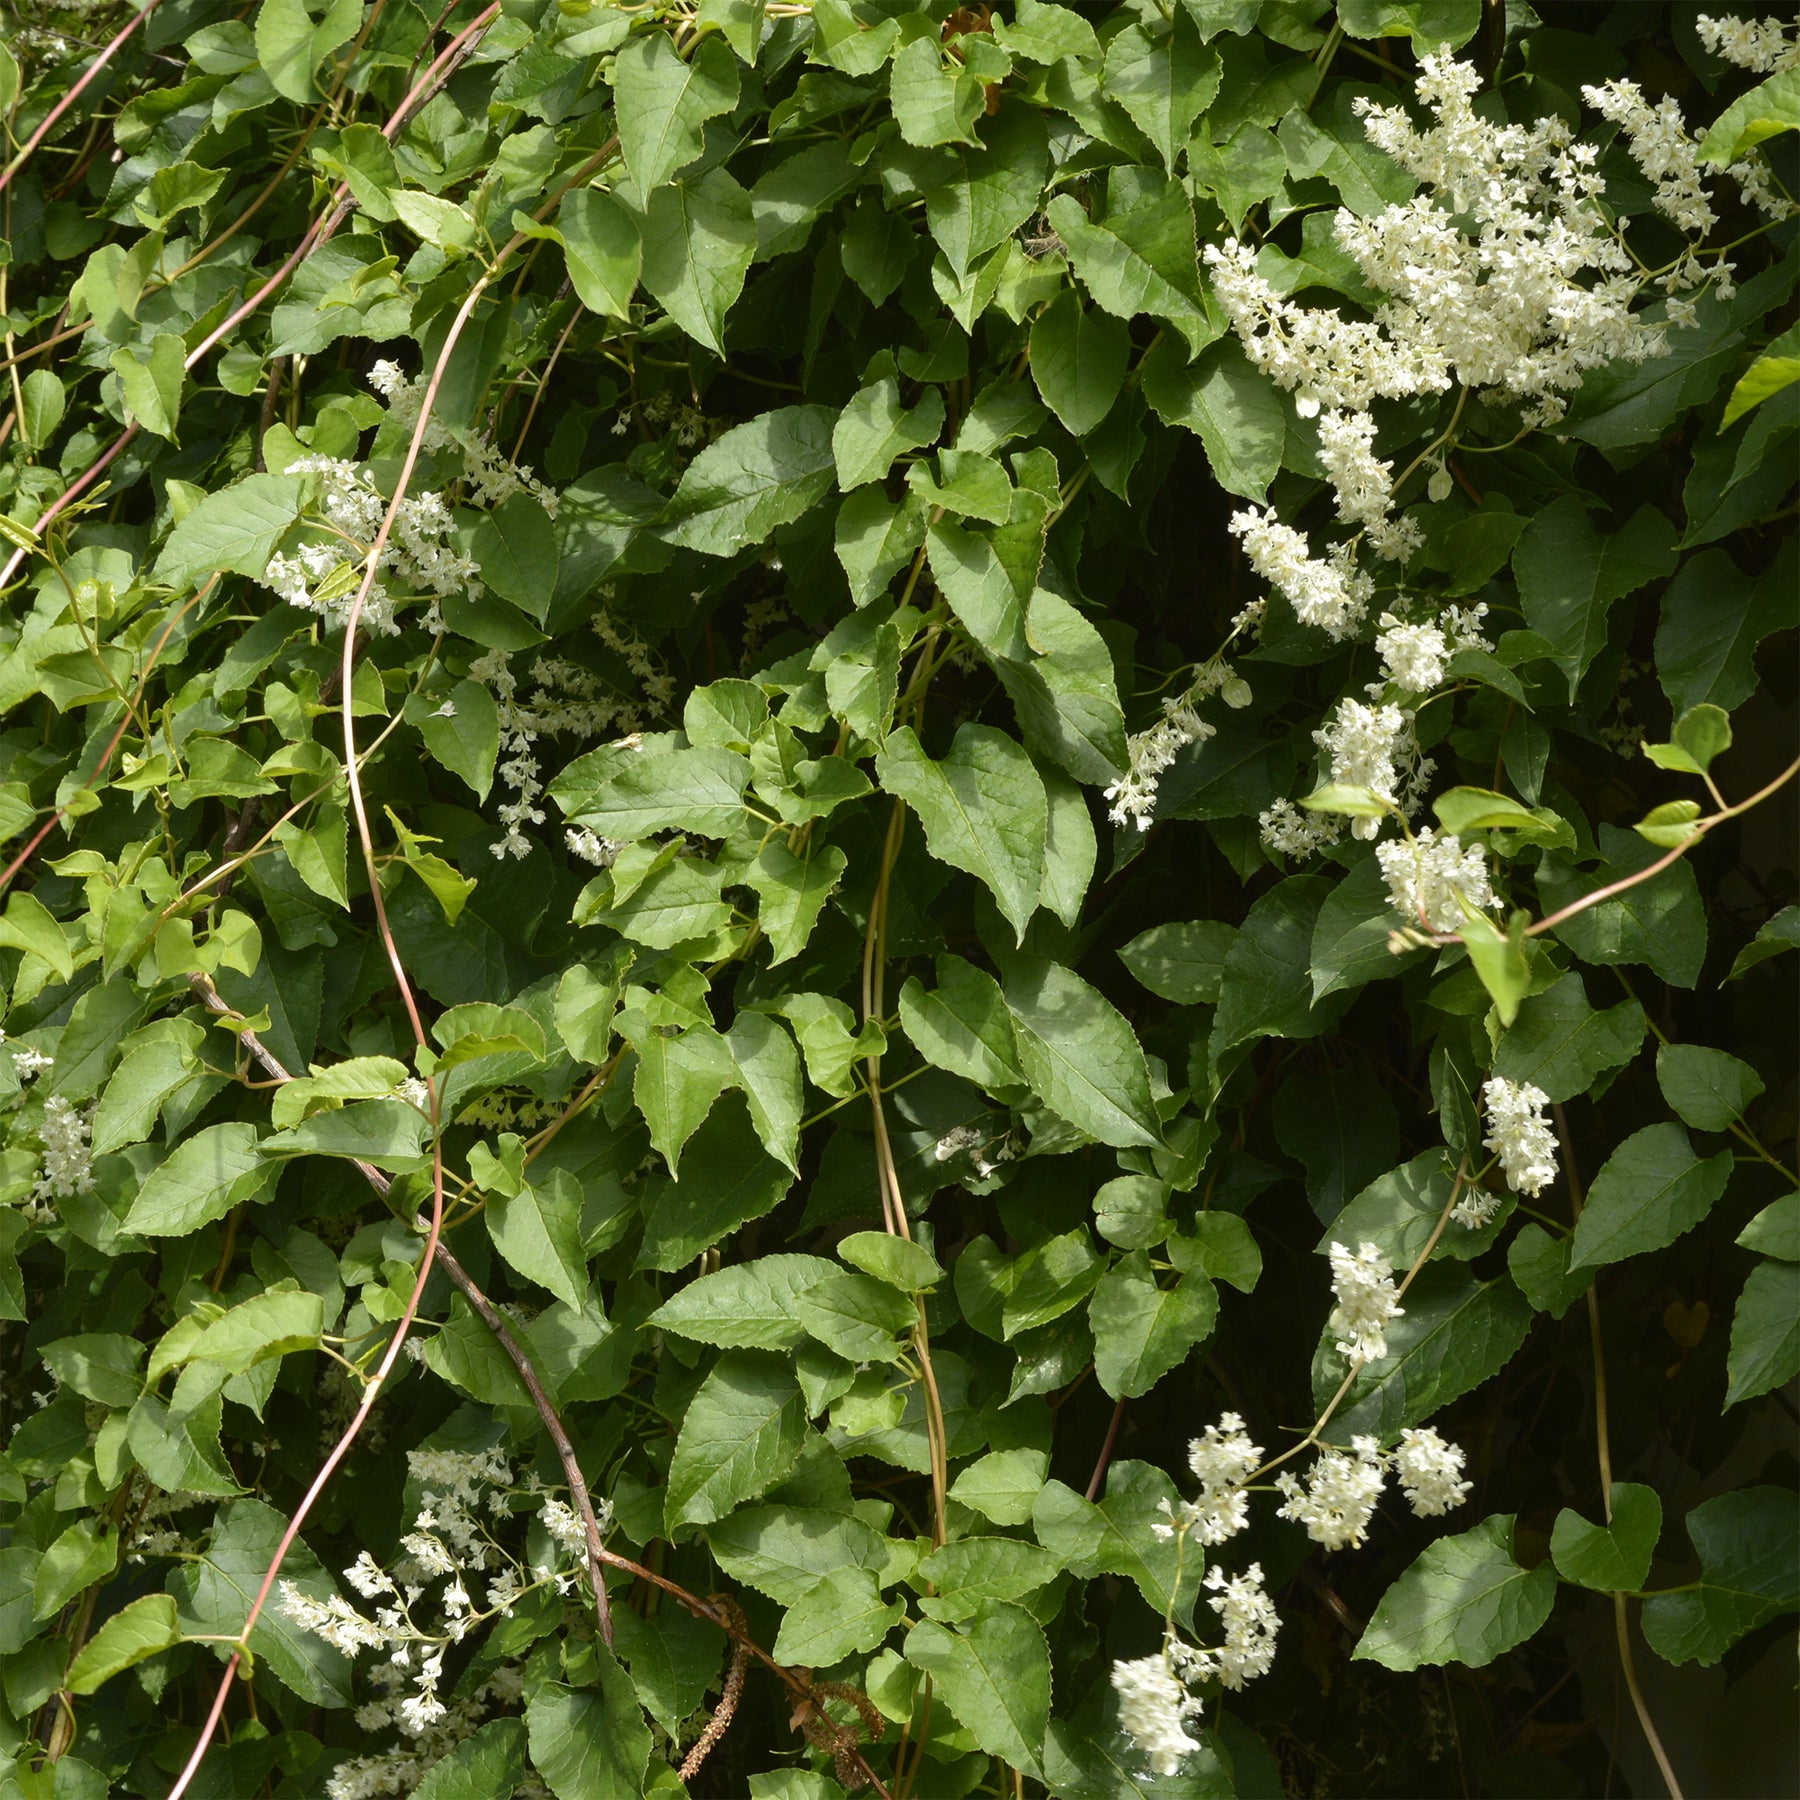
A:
x: 1708, y: 1089
x: 132, y: 1635
x: 987, y: 193
x: 80, y: 1556
x: 1455, y: 1333
x: 841, y: 1614
x: 1141, y: 259
x: 682, y: 1069
x: 856, y: 1316
x: 963, y: 1025
x: 1432, y: 22
x: 466, y: 739
x: 1078, y: 361
x: 1648, y: 1192
x: 741, y: 1433
x: 661, y: 103
x: 781, y: 1550
x: 742, y: 1182
x: 1465, y: 1600
x: 491, y: 1761
x: 234, y: 530
x: 1780, y: 933
x: 1079, y: 1054
x: 1399, y: 1211
x: 1465, y: 809
x: 1183, y: 962
x: 151, y: 380
x: 1570, y: 574
x: 933, y: 104
x: 1775, y: 1231
x: 28, y: 925
x: 1713, y: 618
x: 1777, y: 368
x: 1539, y: 1264
x: 603, y: 249
x: 1501, y: 959
x: 1003, y: 1485
x: 1765, y: 112
x: 588, y: 1743
x: 515, y: 545
x: 1560, y: 1044
x: 759, y: 475
x: 971, y: 1571
x: 1701, y: 733
x: 1116, y: 1537
x: 433, y: 219
x: 1164, y: 78
x: 1670, y: 824
x: 768, y: 1069
x: 792, y: 891
x: 1765, y: 1332
x: 44, y: 405
x: 897, y: 1261
x: 1266, y: 984
x: 214, y: 1596
x: 654, y: 790
x: 1235, y: 412
x: 203, y: 1178
x: 983, y: 808
x: 699, y: 240
x: 747, y: 1306
x: 1612, y: 1558
x: 875, y: 428
x: 270, y: 1324
x: 292, y: 40
x: 994, y: 1677
x: 1749, y: 1573
x: 1142, y: 1331
x: 538, y: 1231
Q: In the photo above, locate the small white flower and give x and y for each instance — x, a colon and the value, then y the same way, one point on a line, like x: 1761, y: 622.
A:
x: 1337, y: 1499
x: 1518, y: 1134
x: 1153, y: 1709
x: 1363, y: 1282
x: 1428, y: 875
x: 1429, y: 1471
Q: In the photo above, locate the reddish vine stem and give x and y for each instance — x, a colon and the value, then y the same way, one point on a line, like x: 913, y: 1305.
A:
x: 28, y: 149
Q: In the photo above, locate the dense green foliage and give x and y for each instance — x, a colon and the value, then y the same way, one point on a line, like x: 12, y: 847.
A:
x: 860, y: 939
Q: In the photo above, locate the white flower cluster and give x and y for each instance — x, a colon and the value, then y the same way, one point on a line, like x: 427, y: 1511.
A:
x: 1150, y: 752
x: 65, y: 1131
x: 985, y: 1153
x: 1430, y: 877
x: 488, y: 476
x: 566, y: 701
x: 450, y: 1539
x: 1154, y: 1710
x: 1337, y: 1498
x: 1332, y: 594
x: 590, y: 847
x: 1363, y: 1281
x: 1375, y: 747
x: 29, y: 1063
x: 1519, y: 1135
x: 1761, y: 45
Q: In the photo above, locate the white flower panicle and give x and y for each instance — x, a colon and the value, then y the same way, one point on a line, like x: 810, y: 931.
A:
x: 1662, y: 148
x: 590, y: 847
x: 1287, y: 831
x: 1154, y: 1708
x: 1430, y: 1472
x: 1429, y: 877
x: 1412, y: 656
x: 65, y: 1132
x: 1222, y: 1458
x: 488, y: 476
x: 29, y: 1063
x: 1519, y: 1135
x: 1332, y: 594
x: 1375, y: 747
x: 1363, y: 1281
x: 1250, y: 1621
x: 1337, y: 1498
x: 1133, y: 795
x: 1761, y: 45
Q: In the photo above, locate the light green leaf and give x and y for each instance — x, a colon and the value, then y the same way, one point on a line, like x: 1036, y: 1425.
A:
x: 1611, y: 1558
x: 1775, y: 1231
x: 699, y: 239
x: 983, y: 808
x: 203, y: 1178
x: 875, y: 428
x: 1648, y: 1192
x: 1701, y: 733
x: 44, y: 405
x: 1142, y: 1331
x: 1765, y: 1332
x: 1078, y: 361
x: 80, y: 1556
x: 840, y: 1615
x: 589, y: 1743
x: 994, y: 1677
x: 1777, y: 368
x: 858, y: 1317
x: 1164, y: 78
x: 1708, y: 1089
x: 661, y: 103
x: 1235, y: 412
x: 28, y: 925
x: 699, y: 790
x: 897, y: 1261
x: 989, y: 191
x: 747, y: 1306
x: 151, y: 379
x: 963, y: 1025
x: 1780, y: 933
x: 538, y: 1231
x: 1765, y: 112
x: 1431, y: 22
x: 270, y: 1324
x: 741, y: 1433
x: 1079, y: 1054
x: 1003, y: 1485
x: 792, y: 891
x: 234, y: 530
x: 759, y: 475
x: 1465, y: 1600
x: 768, y: 1068
x: 933, y: 104
x: 132, y: 1635
x: 490, y: 1761
x: 292, y: 39
x: 742, y: 1182
x: 1116, y: 1536
x: 1399, y: 1211
x: 603, y: 250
